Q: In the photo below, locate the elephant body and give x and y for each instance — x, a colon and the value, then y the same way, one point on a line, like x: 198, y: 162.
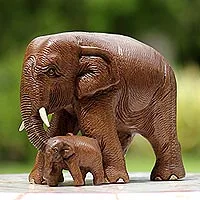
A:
x: 78, y: 154
x: 108, y: 86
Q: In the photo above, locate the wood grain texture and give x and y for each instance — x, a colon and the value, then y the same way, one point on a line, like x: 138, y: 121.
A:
x: 109, y: 87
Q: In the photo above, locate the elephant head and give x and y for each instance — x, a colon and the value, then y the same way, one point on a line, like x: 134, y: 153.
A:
x: 56, y: 73
x: 57, y: 151
x: 59, y: 148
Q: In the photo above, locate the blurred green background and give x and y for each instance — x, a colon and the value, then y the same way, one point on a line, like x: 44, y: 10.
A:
x: 172, y: 27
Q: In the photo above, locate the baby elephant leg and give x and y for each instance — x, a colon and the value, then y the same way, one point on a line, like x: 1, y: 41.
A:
x: 76, y: 174
x: 84, y: 172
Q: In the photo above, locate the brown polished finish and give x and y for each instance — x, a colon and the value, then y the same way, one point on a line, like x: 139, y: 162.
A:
x: 78, y: 154
x: 108, y: 86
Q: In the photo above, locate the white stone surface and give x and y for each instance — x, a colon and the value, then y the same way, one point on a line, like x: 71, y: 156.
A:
x: 16, y: 186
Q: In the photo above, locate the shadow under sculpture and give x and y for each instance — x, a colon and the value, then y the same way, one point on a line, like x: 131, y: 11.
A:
x: 109, y: 87
x: 78, y: 154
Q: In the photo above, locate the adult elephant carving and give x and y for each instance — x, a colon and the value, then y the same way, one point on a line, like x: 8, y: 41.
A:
x: 108, y: 86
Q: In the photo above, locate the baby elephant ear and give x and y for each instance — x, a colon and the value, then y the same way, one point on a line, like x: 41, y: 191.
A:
x: 98, y: 71
x: 67, y: 151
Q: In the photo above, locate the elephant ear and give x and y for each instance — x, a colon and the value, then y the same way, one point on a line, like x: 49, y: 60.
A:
x: 98, y: 71
x: 67, y: 151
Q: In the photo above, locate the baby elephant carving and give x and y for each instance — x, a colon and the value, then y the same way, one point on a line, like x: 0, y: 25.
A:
x: 78, y: 154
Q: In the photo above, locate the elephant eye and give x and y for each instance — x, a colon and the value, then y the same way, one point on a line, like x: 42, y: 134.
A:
x: 52, y: 72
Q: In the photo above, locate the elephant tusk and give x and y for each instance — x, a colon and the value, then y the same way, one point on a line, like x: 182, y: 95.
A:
x: 22, y: 127
x: 44, y: 117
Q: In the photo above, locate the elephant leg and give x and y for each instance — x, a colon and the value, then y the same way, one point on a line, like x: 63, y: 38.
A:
x: 84, y: 172
x: 125, y: 139
x: 75, y: 172
x: 62, y: 122
x: 98, y: 175
x: 98, y: 121
x: 163, y: 138
x: 36, y: 174
x: 169, y: 165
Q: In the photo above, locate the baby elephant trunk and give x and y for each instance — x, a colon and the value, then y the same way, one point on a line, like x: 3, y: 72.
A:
x: 53, y: 173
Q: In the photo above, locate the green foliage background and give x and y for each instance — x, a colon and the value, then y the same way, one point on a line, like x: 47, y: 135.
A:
x: 172, y: 27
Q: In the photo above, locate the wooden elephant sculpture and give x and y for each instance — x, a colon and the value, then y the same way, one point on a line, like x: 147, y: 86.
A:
x: 110, y: 87
x: 78, y: 154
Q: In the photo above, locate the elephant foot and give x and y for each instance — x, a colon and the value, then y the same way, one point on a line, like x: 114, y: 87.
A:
x: 36, y: 177
x: 99, y: 180
x: 113, y: 175
x: 166, y: 172
x: 36, y: 174
x: 79, y: 183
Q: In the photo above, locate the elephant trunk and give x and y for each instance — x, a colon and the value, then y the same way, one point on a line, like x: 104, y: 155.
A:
x: 48, y: 168
x: 33, y: 123
x: 30, y: 100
